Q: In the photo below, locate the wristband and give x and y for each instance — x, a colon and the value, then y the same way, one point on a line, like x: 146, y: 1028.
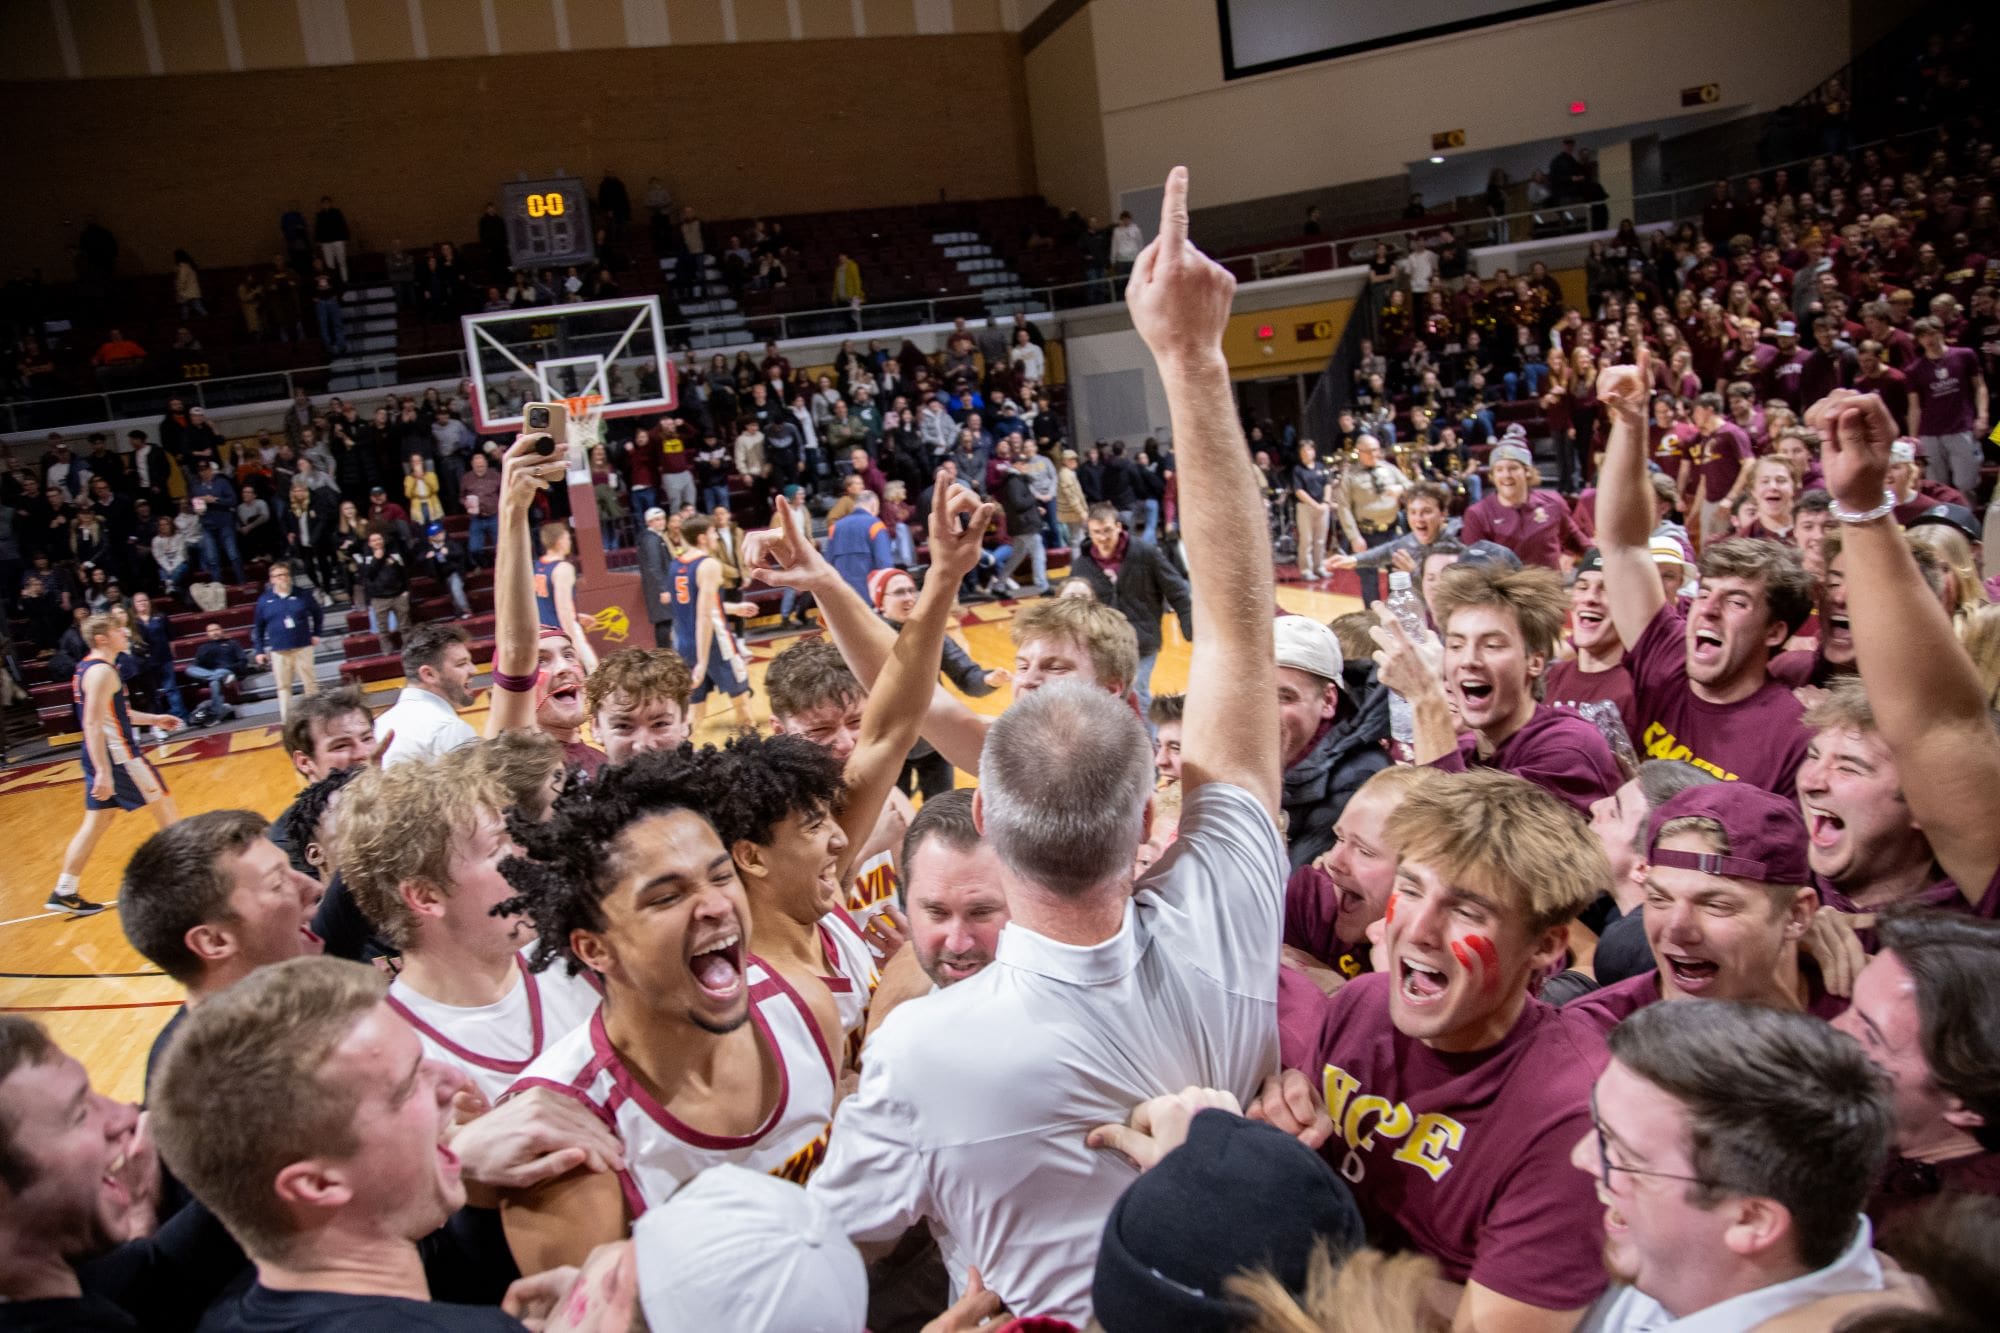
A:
x: 1881, y: 511
x: 515, y: 684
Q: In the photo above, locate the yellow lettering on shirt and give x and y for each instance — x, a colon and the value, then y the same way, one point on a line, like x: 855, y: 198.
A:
x: 1338, y: 1086
x: 1663, y: 744
x: 1435, y: 1136
x: 1392, y: 1120
x: 1427, y: 1141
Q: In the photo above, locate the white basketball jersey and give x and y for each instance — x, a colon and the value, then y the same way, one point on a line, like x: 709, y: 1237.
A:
x: 495, y: 1043
x: 851, y: 973
x: 662, y: 1153
x: 874, y: 884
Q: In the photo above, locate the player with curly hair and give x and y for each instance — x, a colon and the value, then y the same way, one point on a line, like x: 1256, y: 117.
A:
x: 796, y: 817
x: 700, y: 1052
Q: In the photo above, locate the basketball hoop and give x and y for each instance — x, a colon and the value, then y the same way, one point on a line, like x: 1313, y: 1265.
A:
x: 581, y: 406
x: 586, y: 422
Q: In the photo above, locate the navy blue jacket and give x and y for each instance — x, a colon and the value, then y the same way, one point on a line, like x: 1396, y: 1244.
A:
x: 271, y: 634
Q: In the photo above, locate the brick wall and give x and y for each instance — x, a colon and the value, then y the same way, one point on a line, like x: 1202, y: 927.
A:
x: 412, y: 152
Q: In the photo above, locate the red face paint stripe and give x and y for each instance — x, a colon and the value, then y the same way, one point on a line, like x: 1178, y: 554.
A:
x: 1488, y: 955
x: 1458, y: 952
x: 1389, y: 909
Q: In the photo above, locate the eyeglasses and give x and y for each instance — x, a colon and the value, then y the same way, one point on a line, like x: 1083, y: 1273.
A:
x: 1605, y: 1166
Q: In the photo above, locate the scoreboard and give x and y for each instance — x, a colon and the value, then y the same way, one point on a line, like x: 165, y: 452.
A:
x: 548, y: 223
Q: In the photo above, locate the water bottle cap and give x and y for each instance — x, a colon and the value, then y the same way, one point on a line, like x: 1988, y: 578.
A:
x: 1399, y: 580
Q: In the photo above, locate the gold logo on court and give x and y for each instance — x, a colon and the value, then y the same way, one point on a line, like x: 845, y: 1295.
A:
x: 612, y: 623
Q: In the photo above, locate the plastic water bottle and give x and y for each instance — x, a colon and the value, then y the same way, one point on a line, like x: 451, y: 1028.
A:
x: 1409, y: 613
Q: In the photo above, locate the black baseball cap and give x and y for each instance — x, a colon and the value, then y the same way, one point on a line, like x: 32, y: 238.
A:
x: 1957, y: 517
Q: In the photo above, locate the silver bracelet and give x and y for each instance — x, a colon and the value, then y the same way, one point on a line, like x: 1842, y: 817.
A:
x: 1881, y: 511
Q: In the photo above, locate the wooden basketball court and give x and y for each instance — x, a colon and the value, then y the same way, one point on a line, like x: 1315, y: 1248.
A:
x: 104, y: 1003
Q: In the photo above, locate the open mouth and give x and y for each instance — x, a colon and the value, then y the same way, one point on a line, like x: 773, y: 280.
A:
x: 113, y: 1179
x: 1707, y: 646
x: 312, y: 942
x: 718, y: 967
x: 1592, y: 618
x: 1824, y: 828
x: 1691, y: 975
x: 1838, y: 629
x: 1475, y: 691
x: 1421, y: 983
x: 959, y: 969
x: 829, y: 882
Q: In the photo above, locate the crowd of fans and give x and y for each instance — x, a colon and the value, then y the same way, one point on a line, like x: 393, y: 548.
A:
x: 1206, y: 1011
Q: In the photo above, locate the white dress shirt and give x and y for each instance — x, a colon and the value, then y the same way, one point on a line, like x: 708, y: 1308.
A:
x: 425, y: 726
x: 974, y: 1100
x: 1629, y: 1310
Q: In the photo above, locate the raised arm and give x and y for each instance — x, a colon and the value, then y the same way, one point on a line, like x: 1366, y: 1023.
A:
x: 1179, y: 300
x: 516, y: 628
x: 1625, y: 503
x: 896, y: 703
x: 784, y: 555
x: 1923, y: 687
x: 565, y: 599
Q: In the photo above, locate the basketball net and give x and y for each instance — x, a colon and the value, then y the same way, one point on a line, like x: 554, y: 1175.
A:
x: 586, y: 421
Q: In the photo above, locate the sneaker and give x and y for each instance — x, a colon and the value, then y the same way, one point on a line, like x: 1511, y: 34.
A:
x: 73, y: 903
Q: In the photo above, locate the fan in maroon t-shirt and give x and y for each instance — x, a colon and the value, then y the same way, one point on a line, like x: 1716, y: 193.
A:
x: 1446, y: 1095
x: 1499, y: 628
x: 1702, y: 685
x: 1733, y: 935
x: 1597, y: 674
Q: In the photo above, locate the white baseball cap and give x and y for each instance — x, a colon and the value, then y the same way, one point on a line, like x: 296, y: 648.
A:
x: 1306, y: 645
x: 739, y: 1249
x: 1667, y: 551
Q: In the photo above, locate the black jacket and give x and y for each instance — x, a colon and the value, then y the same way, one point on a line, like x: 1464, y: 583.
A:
x: 441, y: 562
x: 1019, y: 506
x: 654, y: 558
x: 1318, y: 786
x: 1146, y: 586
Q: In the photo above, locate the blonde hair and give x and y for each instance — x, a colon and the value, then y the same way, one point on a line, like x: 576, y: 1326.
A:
x: 1534, y: 595
x: 1371, y: 1292
x: 1843, y: 703
x: 400, y: 825
x: 1102, y: 631
x: 1954, y: 552
x: 239, y: 1097
x: 521, y: 763
x: 1398, y: 780
x: 1493, y: 831
x: 1980, y: 632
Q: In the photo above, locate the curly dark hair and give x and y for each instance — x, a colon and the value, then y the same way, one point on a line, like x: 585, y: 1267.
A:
x: 310, y: 807
x: 761, y: 779
x: 560, y: 884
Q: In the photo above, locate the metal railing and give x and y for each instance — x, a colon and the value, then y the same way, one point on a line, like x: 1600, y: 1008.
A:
x: 727, y: 333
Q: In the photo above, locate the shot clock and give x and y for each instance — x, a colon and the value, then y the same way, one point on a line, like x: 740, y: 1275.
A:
x: 548, y: 223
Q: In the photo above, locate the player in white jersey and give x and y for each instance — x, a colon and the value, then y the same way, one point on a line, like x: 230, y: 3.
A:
x: 662, y: 1152
x: 796, y: 814
x: 813, y: 695
x: 420, y: 849
x: 700, y: 1052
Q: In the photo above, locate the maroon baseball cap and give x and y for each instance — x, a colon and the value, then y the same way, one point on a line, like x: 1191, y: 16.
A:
x: 1765, y: 832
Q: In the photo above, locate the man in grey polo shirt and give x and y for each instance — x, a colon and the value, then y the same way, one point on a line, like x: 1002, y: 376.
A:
x: 975, y: 1101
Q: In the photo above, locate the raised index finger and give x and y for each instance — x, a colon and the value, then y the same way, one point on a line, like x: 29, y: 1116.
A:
x: 1174, y: 211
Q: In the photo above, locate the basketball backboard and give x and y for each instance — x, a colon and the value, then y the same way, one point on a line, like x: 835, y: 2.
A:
x: 615, y: 351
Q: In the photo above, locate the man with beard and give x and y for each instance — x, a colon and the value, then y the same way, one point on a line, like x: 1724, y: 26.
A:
x: 1499, y: 628
x: 538, y: 676
x: 420, y: 849
x: 1831, y: 658
x: 424, y: 722
x: 1442, y: 1062
x: 954, y: 902
x: 1702, y: 686
x: 1595, y: 677
x: 1731, y: 1148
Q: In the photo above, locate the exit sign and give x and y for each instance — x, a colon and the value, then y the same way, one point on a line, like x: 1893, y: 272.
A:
x: 1578, y: 107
